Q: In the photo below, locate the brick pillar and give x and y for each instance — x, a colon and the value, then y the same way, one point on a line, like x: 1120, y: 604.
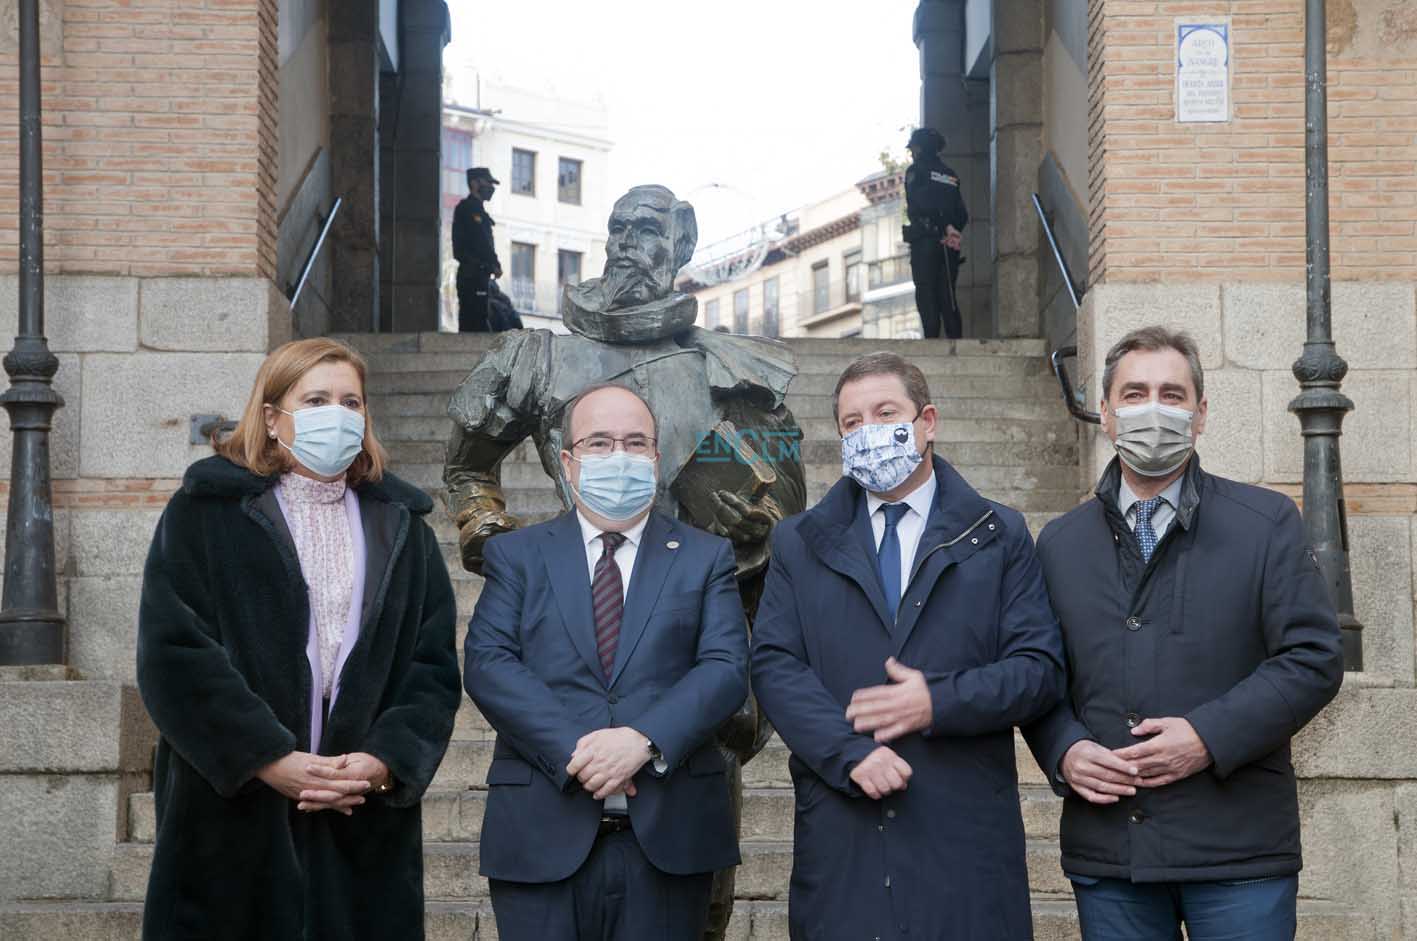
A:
x: 354, y: 164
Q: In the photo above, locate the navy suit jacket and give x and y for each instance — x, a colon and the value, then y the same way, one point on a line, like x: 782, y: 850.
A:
x: 680, y: 671
x: 943, y: 859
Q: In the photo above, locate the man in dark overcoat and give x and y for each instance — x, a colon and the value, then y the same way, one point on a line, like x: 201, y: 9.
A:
x: 904, y: 631
x: 1200, y: 638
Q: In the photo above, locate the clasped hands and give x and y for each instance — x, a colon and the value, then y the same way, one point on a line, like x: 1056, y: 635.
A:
x: 325, y: 782
x: 1172, y: 752
x: 889, y: 712
x: 606, y: 761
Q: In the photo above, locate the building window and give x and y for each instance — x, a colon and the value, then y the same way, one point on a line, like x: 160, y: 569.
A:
x: 568, y: 181
x: 740, y: 311
x: 524, y: 172
x: 523, y: 284
x: 852, y: 261
x: 770, y: 308
x: 457, y: 157
x: 568, y: 267
x: 711, y: 314
x: 821, y: 287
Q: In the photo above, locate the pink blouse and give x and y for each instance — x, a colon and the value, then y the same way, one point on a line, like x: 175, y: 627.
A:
x: 319, y: 523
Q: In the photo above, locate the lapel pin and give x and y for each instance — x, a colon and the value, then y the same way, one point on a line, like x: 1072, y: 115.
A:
x: 672, y: 544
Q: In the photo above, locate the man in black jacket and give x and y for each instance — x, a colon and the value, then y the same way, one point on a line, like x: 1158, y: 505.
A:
x: 935, y: 208
x: 474, y: 251
x: 1200, y: 637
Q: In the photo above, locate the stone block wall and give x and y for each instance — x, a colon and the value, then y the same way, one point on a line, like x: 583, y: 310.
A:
x: 160, y: 124
x: 138, y: 357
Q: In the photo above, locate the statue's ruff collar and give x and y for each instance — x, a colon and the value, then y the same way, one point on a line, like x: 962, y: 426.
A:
x: 583, y: 311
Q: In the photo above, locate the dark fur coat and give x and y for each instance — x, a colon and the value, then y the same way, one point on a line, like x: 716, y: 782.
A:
x: 222, y: 668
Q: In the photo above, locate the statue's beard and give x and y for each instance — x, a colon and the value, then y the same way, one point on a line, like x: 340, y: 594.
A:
x: 630, y: 284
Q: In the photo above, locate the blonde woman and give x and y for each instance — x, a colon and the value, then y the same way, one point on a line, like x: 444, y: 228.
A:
x: 295, y: 649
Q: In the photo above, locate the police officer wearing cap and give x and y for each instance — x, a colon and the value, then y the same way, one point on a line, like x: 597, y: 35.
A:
x: 937, y: 217
x: 474, y: 251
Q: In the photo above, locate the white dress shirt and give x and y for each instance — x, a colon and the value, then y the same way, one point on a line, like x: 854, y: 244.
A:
x: 1165, y: 511
x: 911, y: 525
x: 625, y: 559
x: 624, y: 556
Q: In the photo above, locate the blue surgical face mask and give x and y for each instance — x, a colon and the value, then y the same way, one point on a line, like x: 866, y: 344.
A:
x: 327, y: 438
x: 617, y: 486
x: 880, y: 457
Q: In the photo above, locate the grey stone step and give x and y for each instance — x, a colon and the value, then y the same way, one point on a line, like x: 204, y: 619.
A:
x: 435, y: 342
x: 451, y: 816
x: 1053, y: 920
x: 937, y: 364
x: 817, y: 375
x: 453, y: 808
x: 430, y: 455
x: 450, y: 871
x: 808, y: 396
x: 964, y: 420
x: 531, y: 477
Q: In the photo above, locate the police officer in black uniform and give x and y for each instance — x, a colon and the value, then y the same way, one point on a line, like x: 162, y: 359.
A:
x: 937, y: 217
x: 475, y: 252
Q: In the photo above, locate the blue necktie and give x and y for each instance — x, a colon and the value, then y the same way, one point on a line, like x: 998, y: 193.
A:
x: 888, y: 555
x: 1146, y: 536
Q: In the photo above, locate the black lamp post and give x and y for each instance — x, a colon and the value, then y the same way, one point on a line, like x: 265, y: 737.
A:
x: 1320, y: 370
x: 31, y: 627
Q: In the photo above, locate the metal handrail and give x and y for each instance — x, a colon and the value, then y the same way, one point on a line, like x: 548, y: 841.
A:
x: 293, y: 291
x: 1070, y: 397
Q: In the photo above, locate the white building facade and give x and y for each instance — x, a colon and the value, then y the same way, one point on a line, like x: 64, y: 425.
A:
x: 834, y: 268
x: 552, y: 155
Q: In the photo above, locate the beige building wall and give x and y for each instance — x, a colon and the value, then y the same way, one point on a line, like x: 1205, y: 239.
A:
x: 827, y: 232
x: 551, y: 127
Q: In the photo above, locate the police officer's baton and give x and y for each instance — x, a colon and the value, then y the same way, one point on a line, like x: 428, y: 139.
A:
x: 950, y: 279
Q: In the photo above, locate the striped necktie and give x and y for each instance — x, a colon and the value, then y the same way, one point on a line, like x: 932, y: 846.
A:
x: 607, y: 594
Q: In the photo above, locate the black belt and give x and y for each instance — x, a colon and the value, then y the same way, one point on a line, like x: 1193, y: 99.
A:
x: 613, y: 823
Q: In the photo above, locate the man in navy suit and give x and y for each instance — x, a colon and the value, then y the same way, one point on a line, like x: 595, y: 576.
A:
x: 607, y: 646
x: 904, y: 630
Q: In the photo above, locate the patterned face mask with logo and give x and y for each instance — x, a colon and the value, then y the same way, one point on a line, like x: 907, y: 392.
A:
x: 880, y: 457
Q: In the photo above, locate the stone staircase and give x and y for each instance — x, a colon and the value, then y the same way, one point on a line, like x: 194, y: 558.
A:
x: 1002, y: 425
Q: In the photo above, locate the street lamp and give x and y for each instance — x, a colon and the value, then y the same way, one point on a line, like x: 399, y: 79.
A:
x: 31, y: 627
x: 1320, y: 370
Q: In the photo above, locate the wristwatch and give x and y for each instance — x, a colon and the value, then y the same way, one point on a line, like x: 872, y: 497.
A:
x: 654, y: 753
x: 386, y: 787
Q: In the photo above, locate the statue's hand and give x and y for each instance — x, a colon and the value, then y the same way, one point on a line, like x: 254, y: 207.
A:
x: 477, y: 530
x: 745, y: 523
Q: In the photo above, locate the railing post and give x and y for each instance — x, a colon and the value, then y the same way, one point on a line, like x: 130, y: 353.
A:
x: 1320, y: 370
x: 31, y: 627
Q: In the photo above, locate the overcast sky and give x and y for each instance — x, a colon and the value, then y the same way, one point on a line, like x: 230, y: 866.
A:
x: 747, y: 108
